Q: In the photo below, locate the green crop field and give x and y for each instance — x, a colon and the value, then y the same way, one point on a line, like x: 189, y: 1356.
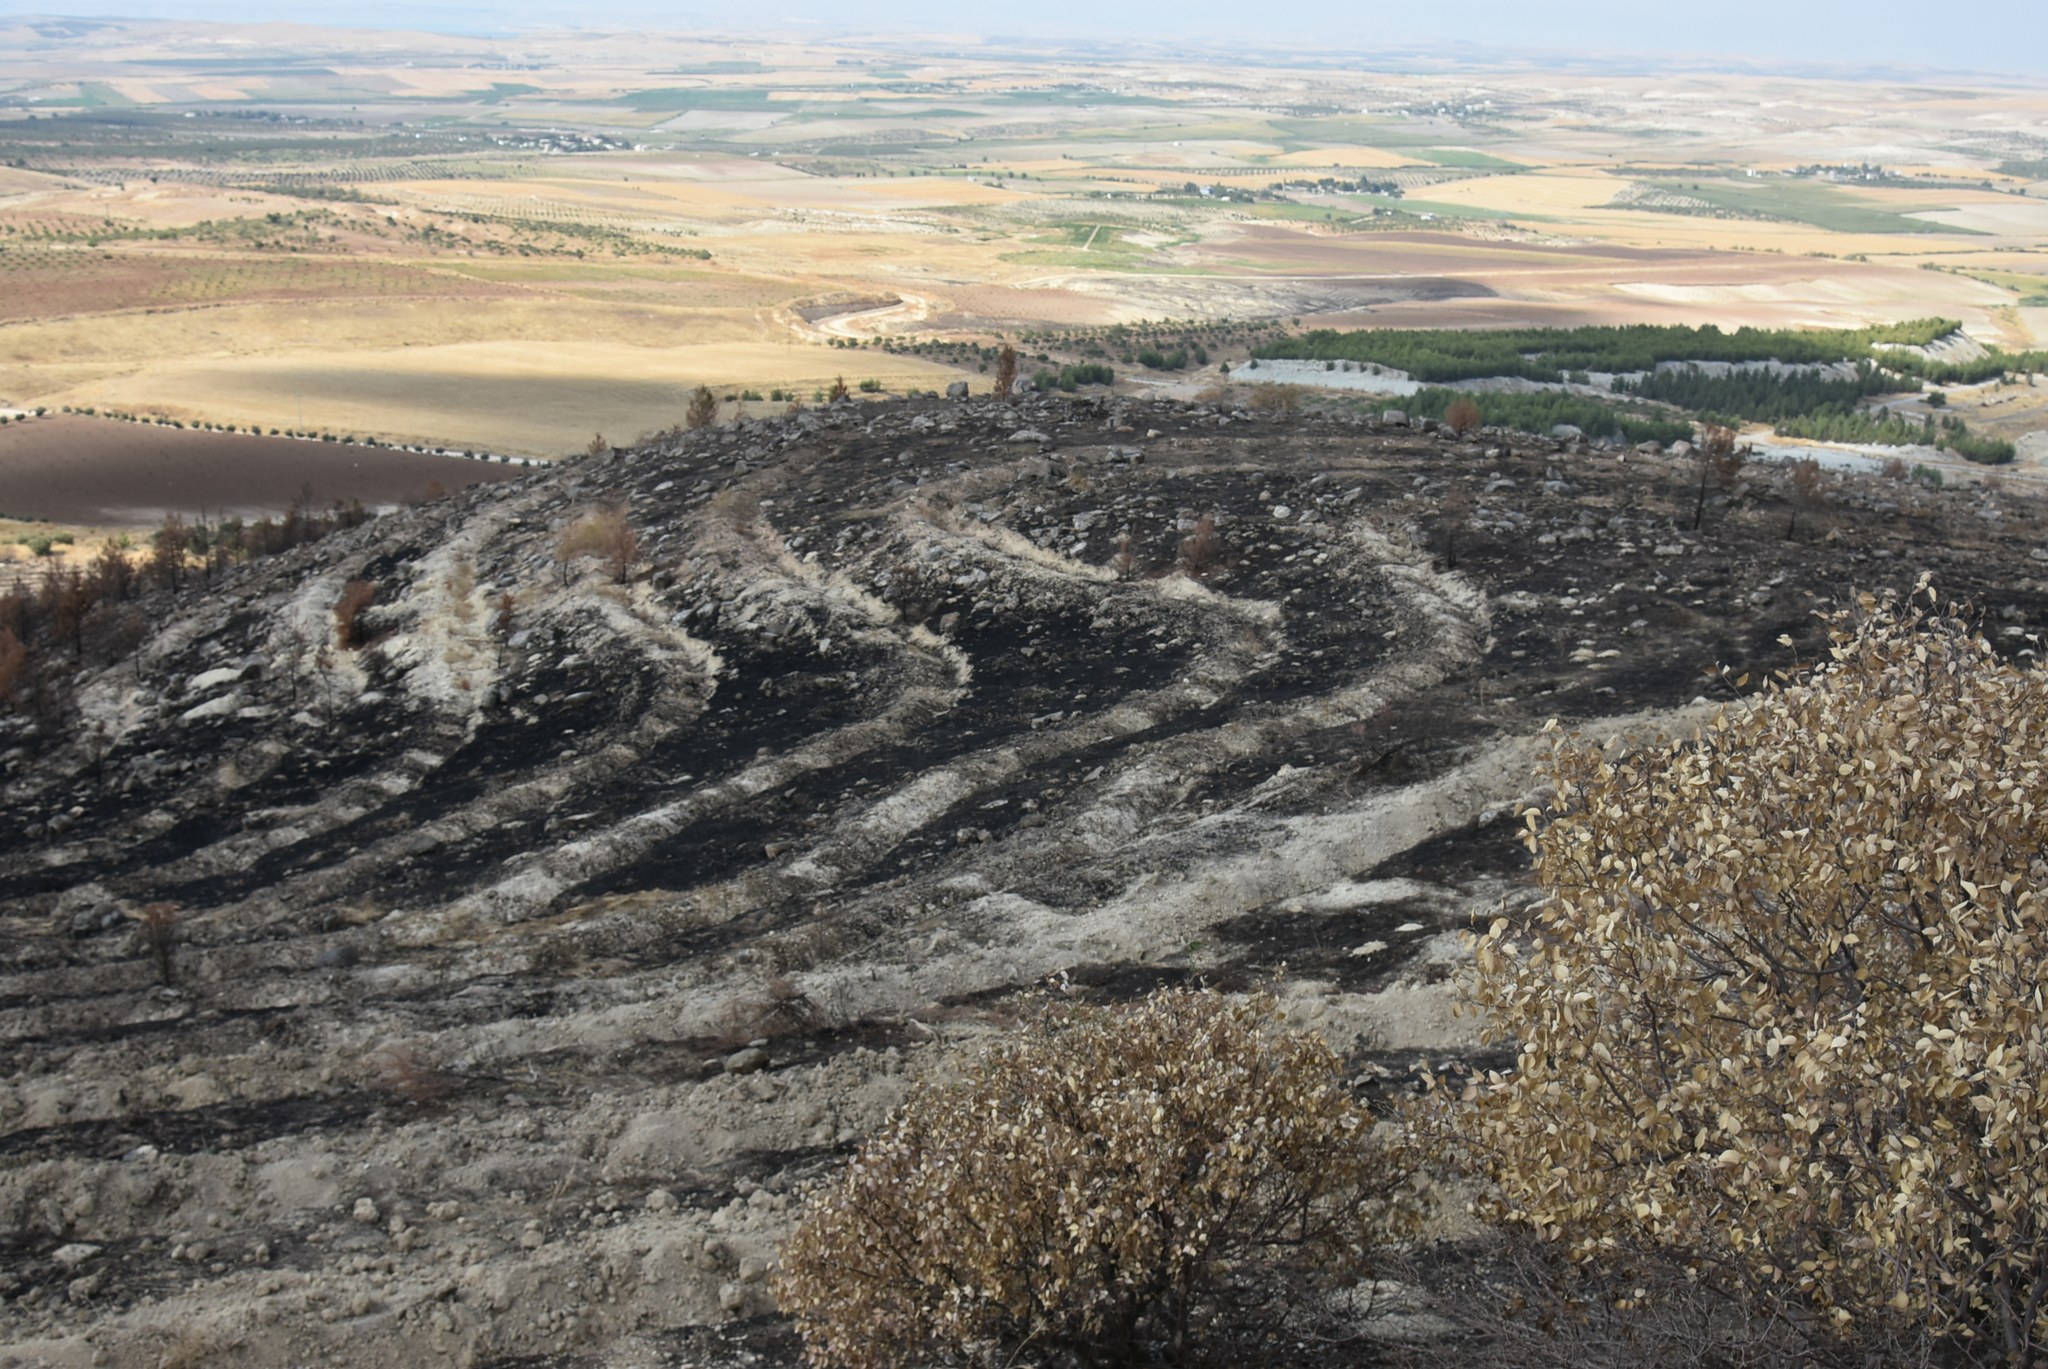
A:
x: 1821, y: 205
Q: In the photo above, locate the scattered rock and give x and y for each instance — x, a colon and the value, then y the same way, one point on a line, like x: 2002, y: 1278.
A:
x: 750, y: 1060
x: 73, y: 1255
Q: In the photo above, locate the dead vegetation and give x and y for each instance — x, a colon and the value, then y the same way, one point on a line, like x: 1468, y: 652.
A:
x: 159, y: 926
x: 405, y: 1071
x: 1202, y: 548
x: 1749, y: 938
x: 1165, y: 1182
x: 1274, y: 401
x: 778, y: 1008
x: 703, y: 410
x: 604, y: 535
x: 350, y: 630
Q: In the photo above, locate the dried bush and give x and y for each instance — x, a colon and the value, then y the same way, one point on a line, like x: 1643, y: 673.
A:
x: 112, y: 570
x: 1275, y: 401
x: 1515, y: 1301
x: 167, y: 551
x: 777, y: 1008
x: 14, y: 664
x: 1780, y: 1013
x: 1006, y: 372
x: 839, y: 390
x: 1142, y: 1184
x: 703, y: 410
x: 1807, y: 492
x: 402, y: 1070
x: 1199, y: 549
x: 356, y: 596
x: 1125, y: 562
x: 606, y: 535
x: 70, y: 595
x: 159, y: 926
x: 1462, y: 415
x: 1721, y: 463
x: 1454, y: 517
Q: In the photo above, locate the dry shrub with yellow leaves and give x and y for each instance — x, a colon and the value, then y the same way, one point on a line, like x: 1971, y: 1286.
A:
x: 1781, y: 1015
x: 1275, y: 401
x: 1139, y: 1184
x: 604, y: 534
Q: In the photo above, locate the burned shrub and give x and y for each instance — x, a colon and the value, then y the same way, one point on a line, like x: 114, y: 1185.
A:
x: 350, y: 631
x: 703, y: 410
x: 1275, y: 401
x: 403, y: 1071
x: 606, y: 535
x: 1462, y: 415
x: 1150, y: 1183
x: 1779, y: 1018
x: 1201, y: 548
x: 158, y: 927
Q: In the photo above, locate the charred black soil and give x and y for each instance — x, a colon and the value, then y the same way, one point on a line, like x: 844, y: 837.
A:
x: 526, y: 964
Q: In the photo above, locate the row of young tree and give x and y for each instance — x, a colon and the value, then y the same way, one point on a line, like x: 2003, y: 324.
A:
x: 1438, y: 355
x: 1993, y: 365
x: 1762, y: 396
x: 1541, y: 411
x: 73, y: 614
x: 1896, y: 430
x: 1072, y: 376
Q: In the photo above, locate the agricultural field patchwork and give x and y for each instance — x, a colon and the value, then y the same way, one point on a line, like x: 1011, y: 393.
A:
x: 418, y: 193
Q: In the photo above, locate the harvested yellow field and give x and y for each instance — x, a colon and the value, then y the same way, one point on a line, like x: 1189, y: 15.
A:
x: 1821, y: 299
x: 1542, y: 193
x: 255, y: 329
x: 16, y: 181
x: 727, y: 198
x: 506, y: 397
x: 165, y: 205
x: 2002, y: 216
x: 1344, y: 154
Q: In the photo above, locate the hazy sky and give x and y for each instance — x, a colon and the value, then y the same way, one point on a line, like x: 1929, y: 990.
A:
x: 1989, y: 35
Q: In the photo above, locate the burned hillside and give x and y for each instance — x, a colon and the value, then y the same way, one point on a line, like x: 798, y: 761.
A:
x: 464, y: 934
